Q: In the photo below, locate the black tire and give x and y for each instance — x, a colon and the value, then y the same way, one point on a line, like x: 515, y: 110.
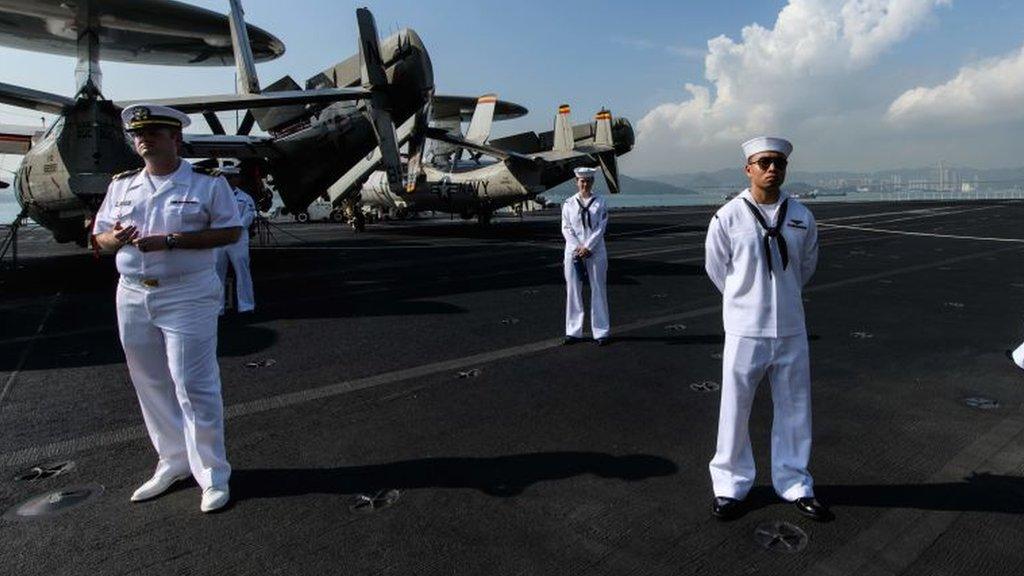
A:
x: 302, y: 217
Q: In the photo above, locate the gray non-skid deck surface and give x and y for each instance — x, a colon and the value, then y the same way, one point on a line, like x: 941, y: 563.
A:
x: 544, y: 460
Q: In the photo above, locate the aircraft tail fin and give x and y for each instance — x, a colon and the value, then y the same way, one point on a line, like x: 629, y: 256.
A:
x: 245, y: 62
x: 483, y: 116
x: 603, y: 128
x: 564, y: 140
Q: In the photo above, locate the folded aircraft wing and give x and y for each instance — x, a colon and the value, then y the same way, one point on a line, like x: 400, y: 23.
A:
x: 220, y: 102
x: 16, y: 139
x: 225, y: 146
x: 462, y: 107
x: 33, y: 99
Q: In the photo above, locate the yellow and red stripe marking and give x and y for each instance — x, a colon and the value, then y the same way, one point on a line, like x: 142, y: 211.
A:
x: 603, y: 116
x: 486, y: 99
x: 563, y: 109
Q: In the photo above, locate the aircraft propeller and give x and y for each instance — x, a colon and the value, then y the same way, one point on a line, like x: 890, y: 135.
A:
x: 374, y: 79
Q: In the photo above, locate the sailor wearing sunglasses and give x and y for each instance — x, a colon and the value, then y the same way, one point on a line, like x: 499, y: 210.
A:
x: 761, y: 249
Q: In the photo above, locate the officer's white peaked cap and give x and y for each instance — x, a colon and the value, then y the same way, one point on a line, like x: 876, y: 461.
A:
x: 138, y: 116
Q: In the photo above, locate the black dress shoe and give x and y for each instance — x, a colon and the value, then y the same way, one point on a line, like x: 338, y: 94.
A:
x: 813, y: 509
x: 1009, y: 354
x: 570, y: 340
x: 602, y: 341
x: 726, y: 508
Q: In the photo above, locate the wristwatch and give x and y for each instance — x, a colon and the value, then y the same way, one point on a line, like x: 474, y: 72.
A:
x: 171, y: 241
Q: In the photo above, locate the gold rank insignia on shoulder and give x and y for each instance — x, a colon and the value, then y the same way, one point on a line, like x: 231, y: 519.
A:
x: 126, y: 174
x: 206, y: 171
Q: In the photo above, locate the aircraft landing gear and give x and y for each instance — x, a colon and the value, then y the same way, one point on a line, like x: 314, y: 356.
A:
x: 484, y: 217
x: 302, y: 217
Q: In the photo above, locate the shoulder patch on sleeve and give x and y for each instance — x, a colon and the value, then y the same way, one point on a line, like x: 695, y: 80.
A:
x: 126, y: 174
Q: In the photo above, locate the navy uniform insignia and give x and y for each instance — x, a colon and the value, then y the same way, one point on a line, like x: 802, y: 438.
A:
x: 797, y: 224
x: 140, y: 113
x: 126, y: 174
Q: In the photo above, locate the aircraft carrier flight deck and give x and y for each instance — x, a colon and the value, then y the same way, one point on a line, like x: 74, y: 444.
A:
x: 401, y: 403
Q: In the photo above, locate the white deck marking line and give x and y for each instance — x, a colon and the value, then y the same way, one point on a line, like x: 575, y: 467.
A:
x: 923, y: 234
x: 900, y: 536
x: 131, y: 433
x: 9, y: 385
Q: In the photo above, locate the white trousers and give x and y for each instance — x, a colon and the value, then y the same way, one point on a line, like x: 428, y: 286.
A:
x: 238, y: 255
x: 597, y: 270
x: 745, y: 361
x: 169, y: 335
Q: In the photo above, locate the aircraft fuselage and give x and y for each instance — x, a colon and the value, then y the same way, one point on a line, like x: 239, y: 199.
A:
x: 64, y: 176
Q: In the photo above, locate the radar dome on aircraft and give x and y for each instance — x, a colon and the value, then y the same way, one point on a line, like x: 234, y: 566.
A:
x: 138, y: 31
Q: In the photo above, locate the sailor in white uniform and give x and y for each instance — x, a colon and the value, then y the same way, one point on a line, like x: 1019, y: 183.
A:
x: 238, y: 253
x: 1017, y: 356
x: 584, y: 221
x: 761, y: 249
x: 165, y: 222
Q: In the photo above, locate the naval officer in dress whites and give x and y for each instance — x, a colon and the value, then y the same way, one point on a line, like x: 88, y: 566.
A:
x: 238, y: 253
x: 165, y: 222
x: 761, y: 249
x: 584, y: 221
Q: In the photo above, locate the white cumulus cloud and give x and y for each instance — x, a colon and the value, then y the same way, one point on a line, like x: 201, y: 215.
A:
x: 984, y: 93
x: 806, y: 72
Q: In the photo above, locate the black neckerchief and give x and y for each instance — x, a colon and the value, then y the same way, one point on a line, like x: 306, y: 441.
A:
x: 585, y: 211
x: 772, y: 232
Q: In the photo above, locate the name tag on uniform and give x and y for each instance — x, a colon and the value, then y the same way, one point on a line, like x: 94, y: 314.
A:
x: 184, y: 201
x: 797, y: 224
x: 123, y: 203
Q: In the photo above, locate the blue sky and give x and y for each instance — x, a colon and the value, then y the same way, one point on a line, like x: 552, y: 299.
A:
x: 846, y: 98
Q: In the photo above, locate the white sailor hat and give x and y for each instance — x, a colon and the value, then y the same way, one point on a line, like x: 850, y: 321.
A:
x: 585, y: 172
x: 139, y: 116
x: 767, y: 144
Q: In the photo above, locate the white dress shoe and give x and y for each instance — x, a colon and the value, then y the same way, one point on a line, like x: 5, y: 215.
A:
x: 214, y: 498
x: 156, y: 486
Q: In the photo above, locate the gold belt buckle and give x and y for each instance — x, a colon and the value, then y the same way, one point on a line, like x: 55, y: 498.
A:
x: 150, y: 282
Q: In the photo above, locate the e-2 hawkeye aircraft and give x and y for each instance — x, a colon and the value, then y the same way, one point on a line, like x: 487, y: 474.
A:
x: 523, y: 165
x: 314, y: 133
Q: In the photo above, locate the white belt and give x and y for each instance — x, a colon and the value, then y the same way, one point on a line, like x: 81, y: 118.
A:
x: 164, y: 280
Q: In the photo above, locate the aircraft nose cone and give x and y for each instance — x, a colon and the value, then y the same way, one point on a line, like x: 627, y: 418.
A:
x: 410, y: 43
x: 624, y: 138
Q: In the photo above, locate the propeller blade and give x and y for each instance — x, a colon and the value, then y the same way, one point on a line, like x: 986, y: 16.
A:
x: 214, y: 123
x: 610, y: 169
x: 417, y: 146
x: 374, y: 78
x: 371, y: 62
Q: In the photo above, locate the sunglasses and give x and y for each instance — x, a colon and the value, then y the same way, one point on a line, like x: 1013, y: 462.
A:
x: 764, y: 163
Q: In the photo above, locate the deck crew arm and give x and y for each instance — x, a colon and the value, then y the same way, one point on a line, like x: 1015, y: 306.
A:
x: 597, y: 232
x: 717, y: 253
x: 567, y: 232
x: 809, y: 261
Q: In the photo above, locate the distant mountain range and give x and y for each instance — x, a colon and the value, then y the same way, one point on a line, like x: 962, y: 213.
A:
x: 628, y: 184
x: 733, y: 178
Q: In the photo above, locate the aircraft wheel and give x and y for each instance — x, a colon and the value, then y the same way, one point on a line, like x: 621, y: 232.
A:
x: 302, y: 217
x: 337, y: 216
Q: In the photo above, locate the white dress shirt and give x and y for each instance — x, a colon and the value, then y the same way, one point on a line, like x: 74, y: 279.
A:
x: 187, y: 201
x: 575, y: 233
x: 758, y: 302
